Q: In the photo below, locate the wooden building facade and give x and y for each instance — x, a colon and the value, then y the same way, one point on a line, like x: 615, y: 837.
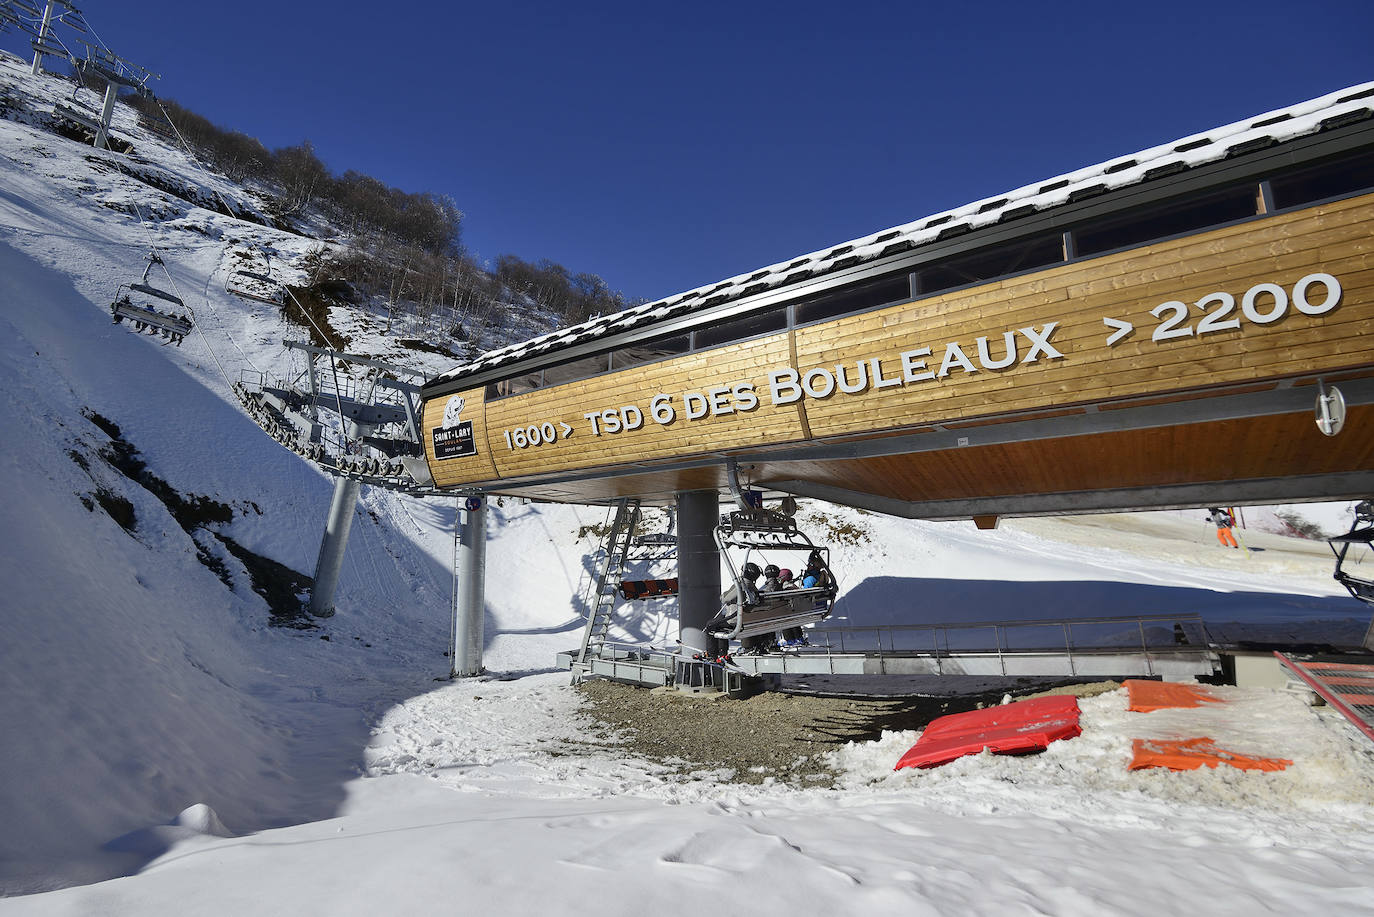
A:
x: 1149, y: 332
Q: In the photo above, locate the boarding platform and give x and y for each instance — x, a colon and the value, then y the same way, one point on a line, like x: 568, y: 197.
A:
x: 1169, y: 647
x: 1163, y: 646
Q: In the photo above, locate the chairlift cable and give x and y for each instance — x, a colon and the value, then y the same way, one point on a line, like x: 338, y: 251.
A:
x: 197, y: 325
x: 234, y: 215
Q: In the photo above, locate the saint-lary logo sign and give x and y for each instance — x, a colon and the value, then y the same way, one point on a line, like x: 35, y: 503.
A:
x: 453, y: 439
x: 452, y: 410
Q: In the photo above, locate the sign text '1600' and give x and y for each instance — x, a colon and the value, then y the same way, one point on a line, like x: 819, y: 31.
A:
x: 536, y: 434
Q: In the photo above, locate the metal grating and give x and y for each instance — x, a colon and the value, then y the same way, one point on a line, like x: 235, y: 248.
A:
x: 1346, y: 686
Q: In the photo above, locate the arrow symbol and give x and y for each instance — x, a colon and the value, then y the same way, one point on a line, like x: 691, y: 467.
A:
x: 1123, y: 328
x: 567, y: 430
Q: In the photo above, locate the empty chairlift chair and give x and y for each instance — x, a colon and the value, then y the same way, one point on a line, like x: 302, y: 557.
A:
x: 1355, y: 554
x: 750, y: 538
x: 138, y: 302
x: 254, y: 285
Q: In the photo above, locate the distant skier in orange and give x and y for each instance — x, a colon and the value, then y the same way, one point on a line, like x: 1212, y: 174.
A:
x: 1224, y: 521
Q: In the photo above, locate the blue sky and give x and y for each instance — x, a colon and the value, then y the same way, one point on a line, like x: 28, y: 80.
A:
x: 666, y: 147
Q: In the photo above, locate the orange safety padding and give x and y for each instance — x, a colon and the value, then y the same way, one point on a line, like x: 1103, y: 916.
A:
x: 1015, y: 728
x: 1145, y: 696
x: 1190, y: 754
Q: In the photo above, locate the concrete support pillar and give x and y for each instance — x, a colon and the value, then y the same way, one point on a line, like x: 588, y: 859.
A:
x: 332, y: 546
x: 102, y: 136
x: 698, y: 568
x: 469, y: 588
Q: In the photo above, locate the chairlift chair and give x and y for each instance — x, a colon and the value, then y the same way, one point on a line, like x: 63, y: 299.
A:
x: 257, y: 286
x: 1360, y: 585
x: 252, y: 285
x: 746, y: 610
x: 144, y: 316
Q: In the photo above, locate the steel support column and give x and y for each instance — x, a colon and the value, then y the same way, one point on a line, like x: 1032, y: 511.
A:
x: 469, y: 589
x: 102, y: 137
x: 332, y: 546
x: 43, y: 30
x: 698, y: 567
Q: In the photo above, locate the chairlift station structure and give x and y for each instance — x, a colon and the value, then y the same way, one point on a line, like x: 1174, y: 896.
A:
x: 1154, y: 331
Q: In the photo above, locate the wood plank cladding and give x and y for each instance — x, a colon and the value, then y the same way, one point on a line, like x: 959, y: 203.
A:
x: 450, y: 472
x: 1078, y: 365
x: 1089, y: 332
x: 698, y: 382
x: 1283, y: 445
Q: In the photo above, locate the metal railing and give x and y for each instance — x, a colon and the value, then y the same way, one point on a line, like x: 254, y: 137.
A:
x: 1141, y: 634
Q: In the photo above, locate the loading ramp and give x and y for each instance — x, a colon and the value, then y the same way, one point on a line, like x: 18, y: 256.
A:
x: 1165, y: 646
x: 1158, y: 646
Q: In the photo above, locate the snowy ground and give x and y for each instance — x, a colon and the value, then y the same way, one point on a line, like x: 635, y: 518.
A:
x: 167, y: 751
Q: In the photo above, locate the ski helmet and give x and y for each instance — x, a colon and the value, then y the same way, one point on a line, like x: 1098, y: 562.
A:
x: 751, y: 570
x: 771, y: 570
x: 785, y: 574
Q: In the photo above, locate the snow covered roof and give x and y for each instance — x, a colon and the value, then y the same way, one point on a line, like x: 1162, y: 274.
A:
x: 1336, y: 109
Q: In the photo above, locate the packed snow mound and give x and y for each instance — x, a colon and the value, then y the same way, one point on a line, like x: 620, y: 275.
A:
x: 201, y: 819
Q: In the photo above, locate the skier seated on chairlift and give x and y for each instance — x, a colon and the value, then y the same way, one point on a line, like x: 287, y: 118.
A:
x: 749, y: 574
x: 815, y: 573
x: 790, y: 636
x: 815, y: 576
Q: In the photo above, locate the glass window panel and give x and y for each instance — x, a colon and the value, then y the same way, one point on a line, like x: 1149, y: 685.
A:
x: 576, y: 369
x: 1332, y: 179
x: 992, y: 262
x: 514, y: 386
x: 650, y: 352
x: 854, y: 298
x: 1172, y: 219
x: 740, y: 328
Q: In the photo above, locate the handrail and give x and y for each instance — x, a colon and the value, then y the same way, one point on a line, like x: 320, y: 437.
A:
x: 884, y: 637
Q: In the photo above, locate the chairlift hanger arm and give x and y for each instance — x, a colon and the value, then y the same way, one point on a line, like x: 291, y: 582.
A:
x: 360, y: 360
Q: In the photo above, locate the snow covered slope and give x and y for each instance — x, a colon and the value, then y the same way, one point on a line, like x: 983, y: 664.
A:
x: 157, y: 719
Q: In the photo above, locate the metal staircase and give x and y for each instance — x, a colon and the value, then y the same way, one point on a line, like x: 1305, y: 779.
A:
x: 602, y: 601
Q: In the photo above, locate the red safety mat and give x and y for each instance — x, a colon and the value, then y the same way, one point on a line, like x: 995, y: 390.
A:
x: 1016, y: 728
x: 1190, y: 754
x: 1145, y: 696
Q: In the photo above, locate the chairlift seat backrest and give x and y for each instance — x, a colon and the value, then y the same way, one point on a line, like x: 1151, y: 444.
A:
x: 173, y: 324
x: 71, y: 114
x: 155, y: 292
x: 776, y: 611
x: 1359, y: 536
x: 659, y: 539
x: 1359, y: 586
x: 252, y: 285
